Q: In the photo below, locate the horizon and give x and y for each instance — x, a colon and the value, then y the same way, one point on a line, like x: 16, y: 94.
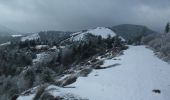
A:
x: 77, y: 29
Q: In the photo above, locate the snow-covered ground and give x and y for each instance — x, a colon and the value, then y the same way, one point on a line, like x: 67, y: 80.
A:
x: 102, y: 31
x: 135, y: 75
x: 41, y: 57
x: 18, y: 35
x: 29, y: 97
x: 139, y: 72
x: 31, y: 37
x: 54, y: 91
x: 7, y: 43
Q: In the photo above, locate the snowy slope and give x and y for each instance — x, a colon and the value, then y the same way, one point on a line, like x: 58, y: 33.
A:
x: 104, y: 32
x: 28, y: 97
x: 18, y: 35
x: 54, y: 91
x: 7, y: 43
x: 139, y: 72
x: 31, y: 37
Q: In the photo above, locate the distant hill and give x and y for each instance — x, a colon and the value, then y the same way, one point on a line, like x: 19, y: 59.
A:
x: 7, y: 34
x: 132, y: 32
x: 56, y: 36
x: 47, y: 36
x: 4, y: 31
x: 102, y: 31
x: 90, y: 35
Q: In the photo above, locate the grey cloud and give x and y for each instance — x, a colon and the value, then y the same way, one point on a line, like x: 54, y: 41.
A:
x: 72, y: 15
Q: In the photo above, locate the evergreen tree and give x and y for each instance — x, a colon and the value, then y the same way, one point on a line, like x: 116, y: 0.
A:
x: 167, y: 28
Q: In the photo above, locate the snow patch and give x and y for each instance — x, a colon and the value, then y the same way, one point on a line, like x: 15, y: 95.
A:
x: 7, y: 43
x: 102, y: 31
x: 41, y: 46
x: 40, y: 57
x: 31, y: 37
x: 122, y: 38
x: 54, y: 48
x: 29, y: 97
x: 54, y: 91
x: 60, y: 92
x: 16, y: 35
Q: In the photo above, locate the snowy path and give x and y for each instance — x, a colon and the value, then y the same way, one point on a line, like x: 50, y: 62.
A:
x: 139, y: 73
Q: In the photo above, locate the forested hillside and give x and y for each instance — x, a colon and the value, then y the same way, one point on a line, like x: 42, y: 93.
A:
x: 43, y: 58
x: 132, y: 33
x: 160, y: 43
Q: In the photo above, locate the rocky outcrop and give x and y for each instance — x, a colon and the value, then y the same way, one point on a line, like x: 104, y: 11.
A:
x: 66, y: 81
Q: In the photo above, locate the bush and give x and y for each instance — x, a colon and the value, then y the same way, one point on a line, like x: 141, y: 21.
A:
x: 160, y: 43
x: 40, y: 91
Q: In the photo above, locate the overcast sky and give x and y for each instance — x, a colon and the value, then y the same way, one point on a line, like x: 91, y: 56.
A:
x: 72, y: 15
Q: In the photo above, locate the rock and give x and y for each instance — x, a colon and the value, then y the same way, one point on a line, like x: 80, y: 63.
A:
x: 97, y: 64
x: 47, y: 96
x: 14, y: 97
x: 94, y: 60
x: 156, y: 91
x: 59, y: 98
x: 40, y: 91
x: 69, y: 80
x: 66, y: 81
x: 84, y: 72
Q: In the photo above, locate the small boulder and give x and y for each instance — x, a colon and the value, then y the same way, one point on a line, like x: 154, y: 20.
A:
x: 66, y: 81
x: 156, y: 91
x: 84, y: 72
x: 69, y: 80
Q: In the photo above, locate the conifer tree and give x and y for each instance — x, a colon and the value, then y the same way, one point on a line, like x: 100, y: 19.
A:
x: 167, y: 28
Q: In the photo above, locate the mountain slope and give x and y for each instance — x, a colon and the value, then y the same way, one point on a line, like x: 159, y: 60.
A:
x: 4, y: 31
x: 6, y: 34
x: 99, y: 31
x: 132, y: 32
x: 131, y: 77
x: 31, y: 37
x: 55, y: 36
x: 139, y: 73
